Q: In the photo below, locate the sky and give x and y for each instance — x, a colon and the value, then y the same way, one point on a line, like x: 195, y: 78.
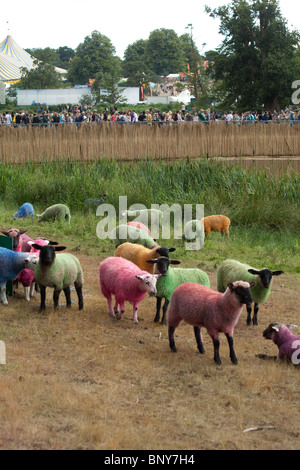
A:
x: 37, y: 24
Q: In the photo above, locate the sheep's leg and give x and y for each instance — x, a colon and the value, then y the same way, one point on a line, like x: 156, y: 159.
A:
x: 67, y: 292
x: 164, y: 316
x: 216, y: 343
x: 27, y: 293
x: 249, y: 309
x: 231, y: 349
x: 122, y: 310
x: 197, y: 332
x: 172, y: 339
x: 109, y: 302
x: 56, y: 297
x: 135, y: 309
x: 43, y: 298
x: 254, y: 319
x: 158, y: 305
x: 32, y: 289
x: 78, y: 288
x: 3, y: 297
x: 116, y: 308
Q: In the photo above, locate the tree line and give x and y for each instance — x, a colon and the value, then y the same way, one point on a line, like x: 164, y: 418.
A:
x: 254, y: 66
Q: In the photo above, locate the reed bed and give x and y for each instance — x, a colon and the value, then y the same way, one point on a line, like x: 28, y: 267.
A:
x: 132, y: 142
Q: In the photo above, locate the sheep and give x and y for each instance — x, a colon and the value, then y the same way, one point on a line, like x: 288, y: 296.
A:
x: 26, y: 277
x: 11, y: 264
x: 170, y: 279
x: 125, y: 233
x: 58, y: 271
x: 201, y: 306
x: 139, y: 254
x: 216, y: 223
x: 17, y: 236
x: 57, y: 211
x: 287, y: 343
x: 155, y: 216
x: 127, y: 282
x: 26, y: 210
x: 140, y: 226
x: 194, y: 233
x: 232, y: 270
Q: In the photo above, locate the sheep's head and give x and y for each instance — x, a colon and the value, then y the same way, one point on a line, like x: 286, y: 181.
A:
x: 265, y: 275
x: 148, y: 282
x: 242, y: 291
x: 15, y: 234
x: 271, y: 331
x: 162, y: 264
x: 47, y: 253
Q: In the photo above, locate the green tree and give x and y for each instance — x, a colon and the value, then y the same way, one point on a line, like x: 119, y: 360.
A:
x: 40, y: 77
x: 255, y: 57
x: 134, y: 65
x: 107, y: 81
x: 164, y: 52
x: 91, y: 57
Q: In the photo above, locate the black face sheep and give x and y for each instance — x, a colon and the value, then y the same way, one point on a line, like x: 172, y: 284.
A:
x: 232, y: 270
x: 201, y: 306
x: 17, y: 236
x: 139, y: 254
x: 287, y: 343
x: 58, y: 271
x: 170, y: 279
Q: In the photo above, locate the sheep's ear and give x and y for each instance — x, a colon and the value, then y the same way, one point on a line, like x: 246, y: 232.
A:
x: 23, y: 231
x: 50, y: 242
x: 171, y: 250
x: 36, y: 246
x: 139, y: 277
x: 230, y: 285
x: 174, y: 261
x: 60, y: 248
x: 292, y: 327
x: 277, y: 273
x: 253, y: 271
x: 252, y: 284
x: 276, y: 327
x: 4, y: 233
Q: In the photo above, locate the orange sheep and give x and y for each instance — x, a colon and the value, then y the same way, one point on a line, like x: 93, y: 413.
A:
x: 216, y: 223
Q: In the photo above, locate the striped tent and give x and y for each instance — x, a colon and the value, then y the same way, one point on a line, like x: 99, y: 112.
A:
x: 12, y: 58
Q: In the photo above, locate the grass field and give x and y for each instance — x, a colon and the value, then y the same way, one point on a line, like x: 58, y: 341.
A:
x: 82, y: 380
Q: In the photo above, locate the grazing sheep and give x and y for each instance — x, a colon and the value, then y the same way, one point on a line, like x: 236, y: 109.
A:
x: 139, y: 254
x: 201, y: 306
x: 140, y: 226
x: 125, y: 233
x: 170, y: 279
x: 58, y: 271
x: 287, y: 343
x: 17, y: 236
x: 232, y: 270
x: 11, y: 264
x: 26, y: 210
x: 216, y: 223
x: 127, y: 282
x: 57, y: 211
x: 152, y: 216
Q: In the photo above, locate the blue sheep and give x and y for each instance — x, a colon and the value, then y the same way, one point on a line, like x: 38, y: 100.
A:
x: 24, y: 211
x: 11, y: 264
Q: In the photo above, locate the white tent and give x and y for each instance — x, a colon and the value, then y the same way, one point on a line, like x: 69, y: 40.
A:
x: 184, y: 97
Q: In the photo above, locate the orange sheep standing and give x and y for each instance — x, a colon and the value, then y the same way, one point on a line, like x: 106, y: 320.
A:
x: 216, y: 223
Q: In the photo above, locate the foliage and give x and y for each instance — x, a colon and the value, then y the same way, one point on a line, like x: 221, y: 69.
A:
x: 252, y: 60
x: 40, y: 77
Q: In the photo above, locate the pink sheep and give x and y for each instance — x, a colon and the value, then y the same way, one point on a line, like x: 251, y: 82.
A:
x: 127, y: 282
x: 140, y: 226
x: 201, y: 306
x: 17, y: 236
x: 287, y: 343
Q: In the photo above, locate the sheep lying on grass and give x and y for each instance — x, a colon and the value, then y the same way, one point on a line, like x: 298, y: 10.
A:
x: 216, y: 223
x: 127, y: 282
x: 57, y: 211
x: 11, y: 264
x: 59, y: 272
x: 170, y: 279
x: 26, y: 210
x: 201, y: 306
x: 232, y: 270
x: 126, y: 233
x: 287, y: 343
x: 139, y: 254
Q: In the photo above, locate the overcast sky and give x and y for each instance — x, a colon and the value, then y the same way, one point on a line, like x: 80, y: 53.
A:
x: 39, y: 24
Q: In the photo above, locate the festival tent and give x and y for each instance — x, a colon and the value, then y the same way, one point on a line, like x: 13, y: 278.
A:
x: 184, y: 97
x: 13, y: 58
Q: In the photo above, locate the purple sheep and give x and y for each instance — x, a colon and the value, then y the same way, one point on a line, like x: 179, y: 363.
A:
x: 127, y: 282
x: 288, y: 344
x: 201, y: 306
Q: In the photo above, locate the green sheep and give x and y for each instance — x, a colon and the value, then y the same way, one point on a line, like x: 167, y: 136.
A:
x: 57, y: 211
x: 170, y: 279
x: 59, y: 272
x: 127, y: 233
x: 232, y: 270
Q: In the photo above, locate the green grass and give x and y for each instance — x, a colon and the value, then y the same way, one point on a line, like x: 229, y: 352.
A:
x: 263, y: 208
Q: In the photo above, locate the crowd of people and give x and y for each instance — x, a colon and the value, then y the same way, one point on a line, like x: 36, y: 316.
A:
x: 85, y: 114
